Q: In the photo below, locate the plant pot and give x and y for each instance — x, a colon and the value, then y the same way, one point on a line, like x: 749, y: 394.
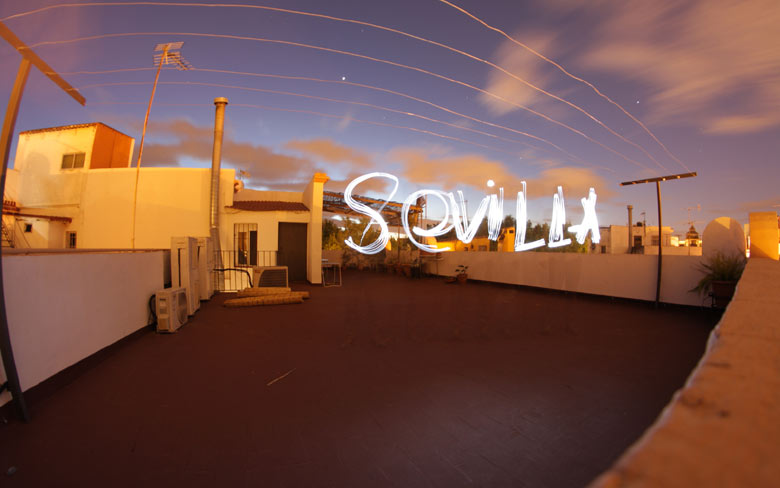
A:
x: 462, y: 277
x: 722, y: 293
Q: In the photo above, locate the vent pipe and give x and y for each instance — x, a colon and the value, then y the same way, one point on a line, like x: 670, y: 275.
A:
x: 216, y: 161
x: 630, y: 230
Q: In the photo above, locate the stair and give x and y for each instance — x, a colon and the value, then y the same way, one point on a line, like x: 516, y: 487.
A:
x: 7, y: 235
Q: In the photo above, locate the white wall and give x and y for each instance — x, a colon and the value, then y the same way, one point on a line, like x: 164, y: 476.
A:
x: 171, y: 202
x: 312, y: 198
x: 263, y: 195
x: 42, y: 182
x: 64, y: 306
x: 618, y: 275
x: 267, y: 226
x: 11, y: 191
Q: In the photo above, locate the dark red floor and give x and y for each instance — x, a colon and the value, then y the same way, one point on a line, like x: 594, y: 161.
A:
x: 394, y: 382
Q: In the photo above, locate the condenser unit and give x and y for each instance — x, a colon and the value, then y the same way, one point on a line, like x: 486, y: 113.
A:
x: 171, y: 309
x: 206, y: 267
x: 265, y: 276
x: 184, y: 270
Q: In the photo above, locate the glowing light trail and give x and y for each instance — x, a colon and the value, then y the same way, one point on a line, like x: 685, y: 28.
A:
x: 558, y: 221
x: 384, y: 90
x: 589, y: 220
x: 321, y: 114
x: 381, y: 124
x: 521, y: 226
x: 440, y: 228
x: 394, y: 31
x: 352, y: 54
x: 492, y: 205
x: 376, y: 216
x: 303, y: 95
x: 570, y: 75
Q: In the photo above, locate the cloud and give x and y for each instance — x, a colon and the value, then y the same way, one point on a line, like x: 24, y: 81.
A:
x: 455, y: 172
x: 767, y: 204
x: 378, y: 185
x: 331, y: 152
x: 713, y: 64
x: 523, y: 64
x: 266, y: 167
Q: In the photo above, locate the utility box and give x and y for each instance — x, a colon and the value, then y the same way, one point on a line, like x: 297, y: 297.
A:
x: 206, y: 267
x: 184, y: 270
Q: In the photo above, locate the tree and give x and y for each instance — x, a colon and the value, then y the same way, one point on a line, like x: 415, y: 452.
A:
x: 542, y: 231
x: 330, y: 233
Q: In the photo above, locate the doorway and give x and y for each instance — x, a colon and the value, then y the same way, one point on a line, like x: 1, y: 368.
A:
x: 292, y: 249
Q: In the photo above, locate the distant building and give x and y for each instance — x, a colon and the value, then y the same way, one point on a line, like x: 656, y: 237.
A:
x: 73, y: 187
x: 644, y: 240
x: 692, y: 238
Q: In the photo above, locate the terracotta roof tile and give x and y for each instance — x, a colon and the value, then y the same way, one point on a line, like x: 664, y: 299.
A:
x: 268, y: 206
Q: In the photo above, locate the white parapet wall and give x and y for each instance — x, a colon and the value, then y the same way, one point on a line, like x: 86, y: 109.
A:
x: 617, y: 275
x: 65, y: 305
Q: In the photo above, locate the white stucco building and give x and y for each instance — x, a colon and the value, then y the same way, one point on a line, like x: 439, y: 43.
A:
x: 74, y: 187
x: 614, y: 240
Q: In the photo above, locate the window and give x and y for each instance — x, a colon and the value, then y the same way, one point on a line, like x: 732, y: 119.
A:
x: 28, y: 227
x: 245, y: 244
x: 73, y: 160
x: 70, y: 240
x: 654, y: 240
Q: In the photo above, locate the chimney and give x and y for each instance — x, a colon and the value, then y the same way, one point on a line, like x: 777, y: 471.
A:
x: 216, y: 161
x: 630, y: 230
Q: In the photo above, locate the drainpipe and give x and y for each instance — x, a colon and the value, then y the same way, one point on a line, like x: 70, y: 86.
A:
x: 216, y: 161
x: 630, y: 230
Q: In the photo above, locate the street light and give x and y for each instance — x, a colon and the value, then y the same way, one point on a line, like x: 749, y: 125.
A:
x: 166, y: 53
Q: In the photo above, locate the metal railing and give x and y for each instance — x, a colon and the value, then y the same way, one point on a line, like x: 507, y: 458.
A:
x: 233, y: 269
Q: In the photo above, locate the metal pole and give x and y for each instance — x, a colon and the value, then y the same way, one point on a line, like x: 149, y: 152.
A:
x: 141, y: 146
x: 216, y: 163
x: 630, y: 230
x: 660, y: 245
x: 5, y: 148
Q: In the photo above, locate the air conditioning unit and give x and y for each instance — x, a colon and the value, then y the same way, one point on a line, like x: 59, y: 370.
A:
x: 206, y: 267
x: 171, y: 307
x: 184, y: 270
x: 265, y: 276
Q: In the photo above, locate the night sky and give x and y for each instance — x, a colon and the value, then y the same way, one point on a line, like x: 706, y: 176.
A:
x: 702, y: 76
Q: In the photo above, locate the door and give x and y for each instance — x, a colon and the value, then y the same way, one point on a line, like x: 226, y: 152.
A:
x: 292, y: 249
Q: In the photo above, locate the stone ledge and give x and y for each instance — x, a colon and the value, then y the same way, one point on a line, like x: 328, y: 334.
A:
x: 723, y: 427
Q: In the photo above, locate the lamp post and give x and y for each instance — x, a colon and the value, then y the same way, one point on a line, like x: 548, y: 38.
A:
x: 657, y: 182
x: 167, y: 53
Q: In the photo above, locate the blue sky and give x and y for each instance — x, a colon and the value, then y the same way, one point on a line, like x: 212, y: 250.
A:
x: 703, y: 77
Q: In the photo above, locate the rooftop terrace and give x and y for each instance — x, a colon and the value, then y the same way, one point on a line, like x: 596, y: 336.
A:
x: 389, y: 382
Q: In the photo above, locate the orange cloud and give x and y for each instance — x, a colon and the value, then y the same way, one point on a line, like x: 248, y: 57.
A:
x: 456, y: 172
x: 327, y: 150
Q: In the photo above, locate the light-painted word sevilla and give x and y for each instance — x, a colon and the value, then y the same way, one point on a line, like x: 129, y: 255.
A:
x: 492, y: 207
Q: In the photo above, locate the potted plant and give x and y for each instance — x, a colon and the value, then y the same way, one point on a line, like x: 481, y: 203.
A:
x: 721, y: 274
x: 460, y: 273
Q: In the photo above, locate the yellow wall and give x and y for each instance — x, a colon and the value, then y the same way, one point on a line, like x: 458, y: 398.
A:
x: 763, y: 235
